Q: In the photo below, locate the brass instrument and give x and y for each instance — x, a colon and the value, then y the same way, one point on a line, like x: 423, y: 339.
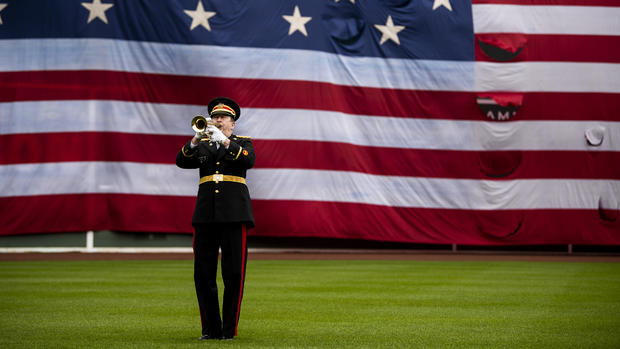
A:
x: 200, y: 123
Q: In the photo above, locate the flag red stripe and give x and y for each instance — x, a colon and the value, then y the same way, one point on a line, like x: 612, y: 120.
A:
x: 420, y: 225
x: 90, y: 146
x: 81, y: 212
x: 561, y: 48
x: 437, y: 163
x: 62, y: 213
x: 99, y: 146
x: 175, y: 89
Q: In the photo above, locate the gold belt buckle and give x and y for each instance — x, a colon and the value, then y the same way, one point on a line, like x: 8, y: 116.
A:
x: 218, y: 177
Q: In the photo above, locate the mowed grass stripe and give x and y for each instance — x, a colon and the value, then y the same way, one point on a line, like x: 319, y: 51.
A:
x: 321, y: 304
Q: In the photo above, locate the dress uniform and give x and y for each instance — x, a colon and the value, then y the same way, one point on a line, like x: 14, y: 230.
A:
x: 222, y: 215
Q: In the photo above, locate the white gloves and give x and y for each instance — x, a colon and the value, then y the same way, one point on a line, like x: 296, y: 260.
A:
x: 216, y: 134
x: 201, y: 135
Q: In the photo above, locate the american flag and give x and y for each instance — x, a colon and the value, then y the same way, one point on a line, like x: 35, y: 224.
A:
x: 429, y: 121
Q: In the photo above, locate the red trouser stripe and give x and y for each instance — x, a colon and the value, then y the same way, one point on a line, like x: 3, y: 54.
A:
x: 243, y: 256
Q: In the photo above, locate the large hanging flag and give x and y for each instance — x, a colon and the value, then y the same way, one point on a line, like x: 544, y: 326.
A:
x: 430, y: 121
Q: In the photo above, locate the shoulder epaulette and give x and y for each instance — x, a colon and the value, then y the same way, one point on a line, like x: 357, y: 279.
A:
x: 242, y: 136
x: 204, y: 140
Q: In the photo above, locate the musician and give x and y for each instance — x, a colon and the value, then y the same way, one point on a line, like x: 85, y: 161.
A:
x: 222, y: 216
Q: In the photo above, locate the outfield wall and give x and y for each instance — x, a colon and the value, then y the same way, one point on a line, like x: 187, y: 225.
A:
x: 131, y: 242
x: 98, y: 241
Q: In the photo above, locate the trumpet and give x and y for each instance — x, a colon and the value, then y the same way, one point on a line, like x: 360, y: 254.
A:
x: 200, y: 123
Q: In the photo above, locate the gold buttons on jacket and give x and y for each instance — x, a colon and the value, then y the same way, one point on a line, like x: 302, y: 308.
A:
x: 217, y: 163
x: 217, y: 171
x: 216, y: 191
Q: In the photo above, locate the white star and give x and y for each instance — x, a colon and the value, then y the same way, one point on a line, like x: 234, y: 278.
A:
x: 297, y: 22
x: 444, y: 3
x: 389, y: 31
x: 2, y: 6
x: 352, y: 1
x: 97, y: 10
x: 200, y: 17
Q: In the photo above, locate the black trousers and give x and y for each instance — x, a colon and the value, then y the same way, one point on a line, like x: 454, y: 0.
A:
x: 208, y: 239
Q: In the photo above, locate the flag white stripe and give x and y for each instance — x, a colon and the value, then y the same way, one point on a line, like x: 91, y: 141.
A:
x: 548, y: 77
x: 308, y: 125
x: 577, y: 20
x: 295, y: 184
x: 233, y: 62
x: 97, y: 115
x: 282, y: 64
x: 96, y: 177
x: 413, y: 133
x: 313, y: 185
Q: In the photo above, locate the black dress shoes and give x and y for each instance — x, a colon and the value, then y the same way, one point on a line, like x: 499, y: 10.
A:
x: 206, y: 336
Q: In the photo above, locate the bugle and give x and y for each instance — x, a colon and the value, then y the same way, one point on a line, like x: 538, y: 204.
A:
x: 200, y: 123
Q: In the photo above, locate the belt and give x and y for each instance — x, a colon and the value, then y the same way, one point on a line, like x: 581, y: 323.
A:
x: 221, y: 178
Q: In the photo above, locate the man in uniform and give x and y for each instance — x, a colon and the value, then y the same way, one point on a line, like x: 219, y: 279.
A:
x: 222, y: 216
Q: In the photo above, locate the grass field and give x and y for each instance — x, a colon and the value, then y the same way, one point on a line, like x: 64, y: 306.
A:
x: 322, y: 304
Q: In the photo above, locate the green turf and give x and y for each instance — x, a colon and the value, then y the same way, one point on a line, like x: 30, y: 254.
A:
x: 322, y: 304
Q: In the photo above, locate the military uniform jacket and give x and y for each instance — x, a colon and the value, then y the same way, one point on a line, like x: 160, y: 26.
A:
x: 224, y: 201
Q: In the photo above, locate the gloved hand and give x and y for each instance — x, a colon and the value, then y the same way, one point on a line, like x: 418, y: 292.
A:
x: 216, y: 134
x: 197, y: 137
x: 201, y: 135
